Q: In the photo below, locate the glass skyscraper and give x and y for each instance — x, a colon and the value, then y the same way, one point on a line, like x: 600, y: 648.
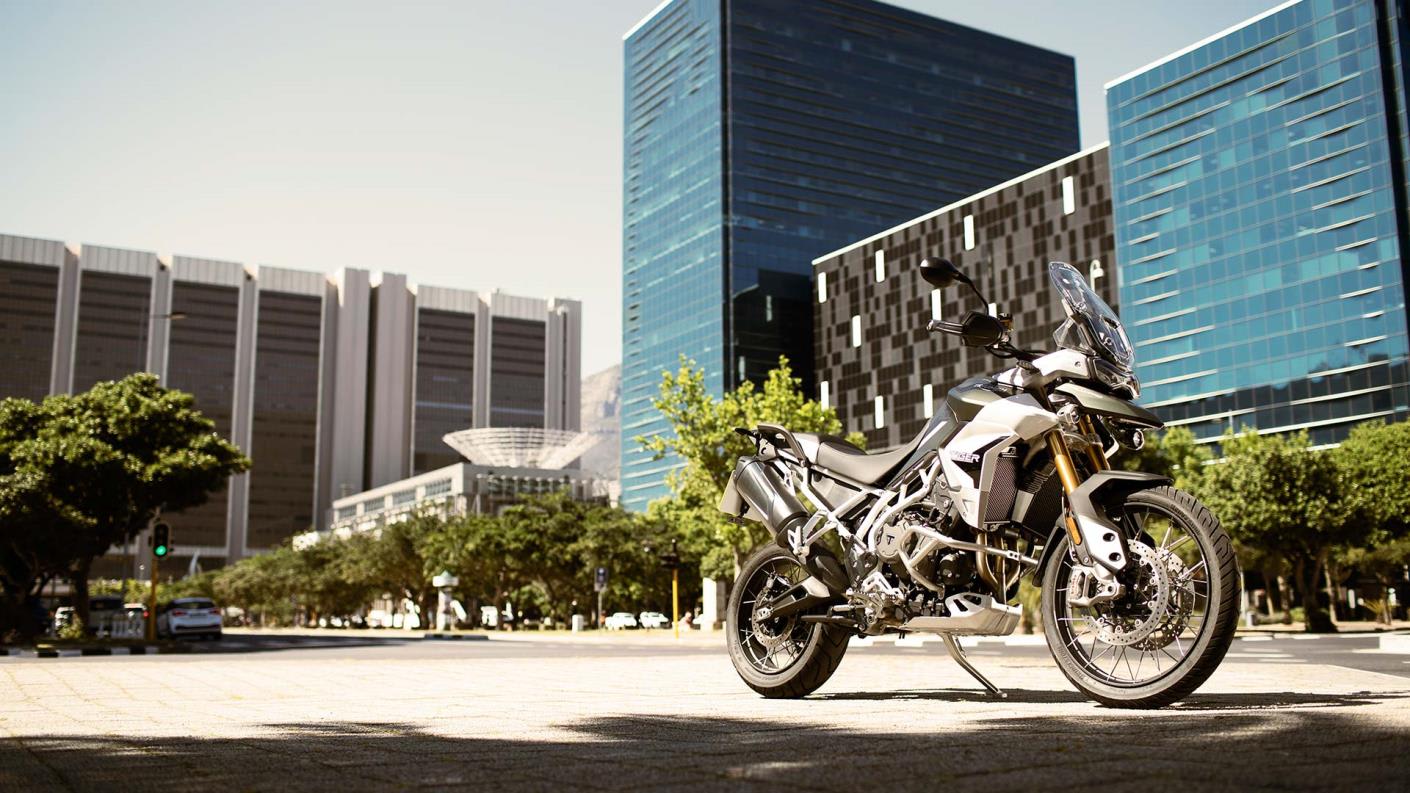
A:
x: 760, y: 134
x: 1260, y: 195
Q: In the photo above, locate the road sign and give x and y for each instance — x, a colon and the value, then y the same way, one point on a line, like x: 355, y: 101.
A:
x: 600, y: 583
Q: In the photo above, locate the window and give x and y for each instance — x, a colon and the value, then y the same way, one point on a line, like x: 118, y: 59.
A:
x: 856, y: 330
x: 824, y: 395
x: 437, y: 487
x: 880, y: 266
x: 927, y: 399
x: 935, y: 304
x: 969, y: 232
x: 1069, y: 196
x: 822, y: 287
x: 880, y: 412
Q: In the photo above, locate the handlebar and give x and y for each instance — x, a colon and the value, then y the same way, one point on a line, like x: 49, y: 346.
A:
x: 944, y: 327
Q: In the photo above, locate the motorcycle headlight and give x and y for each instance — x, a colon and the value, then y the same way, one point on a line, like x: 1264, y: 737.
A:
x: 1115, y: 377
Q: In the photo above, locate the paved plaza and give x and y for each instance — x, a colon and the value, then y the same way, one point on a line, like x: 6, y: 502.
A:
x: 346, y: 713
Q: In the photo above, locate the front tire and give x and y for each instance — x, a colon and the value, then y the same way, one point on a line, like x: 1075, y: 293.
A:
x: 781, y: 658
x: 1185, y: 561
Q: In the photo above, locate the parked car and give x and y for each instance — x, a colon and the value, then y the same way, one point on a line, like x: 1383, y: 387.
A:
x: 653, y: 619
x: 62, y: 616
x: 622, y: 620
x: 103, y: 611
x: 189, y: 617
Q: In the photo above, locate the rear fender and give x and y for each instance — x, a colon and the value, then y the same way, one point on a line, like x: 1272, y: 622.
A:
x: 1094, y: 504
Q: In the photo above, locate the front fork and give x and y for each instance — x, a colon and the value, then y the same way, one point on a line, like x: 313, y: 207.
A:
x: 1097, y: 582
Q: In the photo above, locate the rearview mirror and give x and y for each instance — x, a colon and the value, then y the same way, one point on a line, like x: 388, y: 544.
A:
x: 941, y: 273
x: 980, y: 329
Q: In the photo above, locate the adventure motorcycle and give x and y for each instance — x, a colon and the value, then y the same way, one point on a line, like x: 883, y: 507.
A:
x: 1138, y: 581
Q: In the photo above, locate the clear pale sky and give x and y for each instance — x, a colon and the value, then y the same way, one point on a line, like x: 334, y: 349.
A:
x: 468, y: 144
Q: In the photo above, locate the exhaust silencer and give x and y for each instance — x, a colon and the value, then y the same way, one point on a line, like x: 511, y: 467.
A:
x: 780, y: 510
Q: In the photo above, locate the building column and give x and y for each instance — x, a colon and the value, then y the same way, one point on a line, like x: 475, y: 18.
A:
x: 159, y: 323
x: 480, y: 411
x: 65, y: 324
x: 242, y: 417
x: 392, y: 370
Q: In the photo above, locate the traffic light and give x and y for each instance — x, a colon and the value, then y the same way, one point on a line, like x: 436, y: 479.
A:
x: 671, y: 560
x: 161, y: 540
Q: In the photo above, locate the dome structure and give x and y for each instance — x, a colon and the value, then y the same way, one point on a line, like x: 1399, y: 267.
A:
x: 520, y: 447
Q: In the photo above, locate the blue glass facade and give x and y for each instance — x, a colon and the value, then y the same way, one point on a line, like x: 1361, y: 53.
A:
x: 761, y: 134
x: 1260, y: 206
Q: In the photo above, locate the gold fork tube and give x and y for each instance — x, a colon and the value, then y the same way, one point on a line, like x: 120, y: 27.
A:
x: 1067, y: 472
x: 1094, y: 450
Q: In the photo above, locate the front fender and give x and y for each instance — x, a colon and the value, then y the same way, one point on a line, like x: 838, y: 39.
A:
x: 1092, y: 505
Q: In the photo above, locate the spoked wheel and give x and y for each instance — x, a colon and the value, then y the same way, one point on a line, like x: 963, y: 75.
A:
x: 1164, y: 637
x: 782, y: 657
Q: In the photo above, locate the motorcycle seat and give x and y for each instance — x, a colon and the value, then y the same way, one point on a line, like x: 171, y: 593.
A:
x: 839, y: 456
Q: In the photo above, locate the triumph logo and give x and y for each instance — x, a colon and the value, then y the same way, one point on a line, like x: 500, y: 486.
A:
x: 960, y: 456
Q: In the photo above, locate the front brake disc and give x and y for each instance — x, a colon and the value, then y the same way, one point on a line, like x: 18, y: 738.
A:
x: 1147, y: 603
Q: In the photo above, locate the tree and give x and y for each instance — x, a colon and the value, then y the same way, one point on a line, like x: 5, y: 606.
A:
x: 395, y: 558
x: 476, y: 550
x: 1276, y: 495
x: 263, y: 584
x: 1385, y: 561
x: 80, y: 474
x: 703, y: 437
x: 1373, y: 466
x: 559, y: 543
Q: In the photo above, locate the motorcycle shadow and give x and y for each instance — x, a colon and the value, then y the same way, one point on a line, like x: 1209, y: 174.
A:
x: 1196, y: 702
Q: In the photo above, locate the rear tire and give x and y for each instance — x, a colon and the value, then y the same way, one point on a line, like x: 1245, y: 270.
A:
x: 1220, y: 579
x: 821, y: 647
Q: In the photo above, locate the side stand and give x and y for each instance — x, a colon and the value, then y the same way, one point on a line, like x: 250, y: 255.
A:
x: 957, y: 653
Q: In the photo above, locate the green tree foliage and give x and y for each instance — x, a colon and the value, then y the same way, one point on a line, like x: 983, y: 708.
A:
x: 1274, y: 494
x: 1374, y: 474
x: 539, y: 556
x: 82, y: 473
x: 702, y: 434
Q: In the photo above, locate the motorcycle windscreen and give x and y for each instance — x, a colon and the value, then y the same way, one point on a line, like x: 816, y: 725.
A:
x: 1098, y: 323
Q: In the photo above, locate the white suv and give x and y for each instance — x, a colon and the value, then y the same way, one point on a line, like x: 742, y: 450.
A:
x: 189, y: 617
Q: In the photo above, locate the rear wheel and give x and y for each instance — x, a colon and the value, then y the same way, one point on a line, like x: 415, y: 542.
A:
x: 779, y: 657
x: 1170, y: 629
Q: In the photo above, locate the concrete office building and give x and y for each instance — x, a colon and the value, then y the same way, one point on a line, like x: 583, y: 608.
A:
x: 331, y: 382
x: 1262, y: 219
x: 759, y: 134
x: 875, y: 362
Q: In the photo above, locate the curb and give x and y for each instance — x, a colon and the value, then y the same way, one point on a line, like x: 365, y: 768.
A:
x: 76, y: 652
x: 456, y: 637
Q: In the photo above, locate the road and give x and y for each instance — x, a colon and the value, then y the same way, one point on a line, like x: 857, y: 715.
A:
x: 374, y: 711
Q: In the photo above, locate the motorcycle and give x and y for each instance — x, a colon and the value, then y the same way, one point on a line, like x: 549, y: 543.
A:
x: 1010, y: 477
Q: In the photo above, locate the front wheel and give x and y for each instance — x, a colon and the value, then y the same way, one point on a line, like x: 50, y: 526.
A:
x: 1170, y: 629
x: 779, y: 657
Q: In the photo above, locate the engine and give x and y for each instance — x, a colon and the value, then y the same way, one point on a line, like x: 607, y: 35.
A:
x: 916, y: 573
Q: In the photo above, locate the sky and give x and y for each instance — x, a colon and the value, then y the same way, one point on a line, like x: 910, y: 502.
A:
x: 472, y: 144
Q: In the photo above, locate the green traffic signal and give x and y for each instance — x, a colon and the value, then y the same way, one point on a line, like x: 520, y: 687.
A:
x: 161, y: 540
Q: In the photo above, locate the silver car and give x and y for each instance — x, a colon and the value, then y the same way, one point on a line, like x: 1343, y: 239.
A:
x: 189, y: 617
